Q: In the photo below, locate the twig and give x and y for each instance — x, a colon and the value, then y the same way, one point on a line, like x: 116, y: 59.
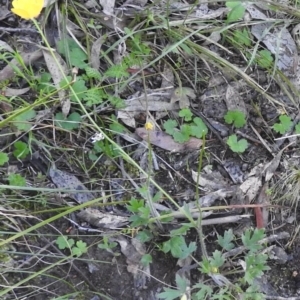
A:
x: 272, y: 238
x: 20, y: 30
x: 263, y: 142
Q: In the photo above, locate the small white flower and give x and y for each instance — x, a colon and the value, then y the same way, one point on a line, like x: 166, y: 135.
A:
x: 97, y: 137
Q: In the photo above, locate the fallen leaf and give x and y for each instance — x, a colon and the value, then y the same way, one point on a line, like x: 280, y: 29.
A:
x: 58, y: 72
x: 95, y: 52
x: 183, y: 96
x: 71, y: 184
x: 279, y: 42
x: 99, y: 219
x: 5, y: 46
x: 165, y: 141
x: 8, y: 71
x: 15, y: 92
x: 234, y: 101
x: 108, y: 6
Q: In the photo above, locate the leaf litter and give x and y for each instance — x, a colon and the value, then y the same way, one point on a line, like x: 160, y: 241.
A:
x: 240, y: 179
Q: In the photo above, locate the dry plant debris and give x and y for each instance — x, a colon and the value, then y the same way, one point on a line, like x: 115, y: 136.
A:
x: 131, y: 130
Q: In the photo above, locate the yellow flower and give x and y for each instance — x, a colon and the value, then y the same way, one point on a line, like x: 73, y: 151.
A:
x: 149, y: 126
x: 27, y: 9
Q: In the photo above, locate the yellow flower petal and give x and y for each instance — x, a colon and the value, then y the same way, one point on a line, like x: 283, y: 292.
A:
x: 27, y: 9
x: 149, y: 126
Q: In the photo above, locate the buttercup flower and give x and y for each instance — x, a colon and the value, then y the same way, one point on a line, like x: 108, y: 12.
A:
x: 149, y: 126
x: 27, y: 9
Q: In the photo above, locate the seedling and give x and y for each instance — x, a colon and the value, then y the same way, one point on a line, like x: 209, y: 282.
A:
x: 235, y: 145
x: 16, y: 180
x: 21, y: 150
x: 69, y: 123
x: 242, y: 37
x: 106, y: 244
x: 22, y: 120
x: 64, y: 242
x: 284, y: 125
x: 264, y: 58
x: 237, y: 11
x: 235, y: 117
x: 254, y: 264
x: 3, y: 158
x: 196, y: 128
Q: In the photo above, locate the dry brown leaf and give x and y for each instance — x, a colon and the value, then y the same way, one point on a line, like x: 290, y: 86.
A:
x: 58, y: 72
x: 15, y: 92
x: 251, y: 186
x: 183, y: 95
x: 279, y: 42
x: 71, y: 183
x: 165, y: 141
x: 272, y: 166
x: 234, y: 101
x: 155, y: 100
x: 5, y: 46
x: 95, y: 52
x: 8, y: 71
x: 99, y: 219
x: 108, y: 6
x: 212, y: 181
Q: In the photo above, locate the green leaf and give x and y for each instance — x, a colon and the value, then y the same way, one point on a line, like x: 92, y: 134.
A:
x: 264, y: 58
x: 94, y: 97
x: 255, y: 266
x: 297, y: 128
x: 204, y: 292
x: 16, y: 180
x: 242, y: 37
x: 237, y: 11
x: 117, y: 71
x: 64, y: 243
x: 217, y: 260
x: 135, y: 205
x: 251, y: 238
x: 79, y: 89
x: 21, y: 150
x: 116, y: 127
x: 3, y: 158
x: 205, y: 266
x: 198, y: 129
x: 144, y: 236
x: 69, y: 123
x: 146, y: 259
x: 226, y: 241
x: 181, y: 283
x: 116, y: 102
x: 284, y: 125
x: 186, y: 114
x: 236, y: 117
x: 187, y: 250
x: 223, y: 294
x: 78, y: 58
x: 137, y: 221
x: 169, y: 294
x: 182, y: 230
x: 92, y: 73
x: 21, y: 121
x: 169, y: 126
x: 45, y: 84
x: 183, y: 135
x: 106, y: 244
x: 178, y: 247
x: 69, y: 48
x: 80, y: 248
x: 235, y: 145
